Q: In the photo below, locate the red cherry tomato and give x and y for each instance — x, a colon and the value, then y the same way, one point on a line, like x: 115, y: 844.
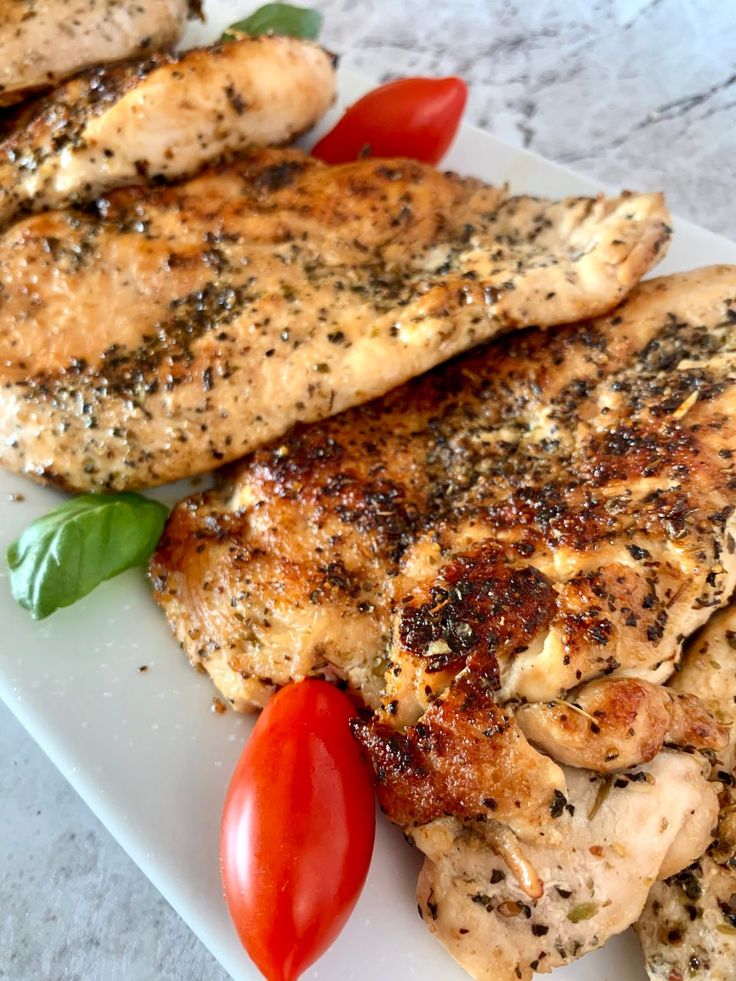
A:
x: 297, y: 829
x: 412, y: 117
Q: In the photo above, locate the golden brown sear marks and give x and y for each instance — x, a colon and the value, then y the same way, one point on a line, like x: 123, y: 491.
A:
x: 166, y: 330
x: 165, y: 116
x: 477, y: 478
x: 467, y: 758
x: 463, y: 620
x: 474, y: 614
x: 617, y: 723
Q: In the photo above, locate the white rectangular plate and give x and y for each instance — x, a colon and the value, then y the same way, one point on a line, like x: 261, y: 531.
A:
x: 145, y: 751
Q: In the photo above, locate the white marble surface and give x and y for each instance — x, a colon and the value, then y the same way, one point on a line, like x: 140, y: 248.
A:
x: 638, y: 94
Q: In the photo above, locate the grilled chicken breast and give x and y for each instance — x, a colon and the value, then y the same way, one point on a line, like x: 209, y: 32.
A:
x: 166, y: 116
x: 170, y: 329
x: 546, y: 510
x: 43, y: 41
x: 542, y: 521
x: 617, y: 839
x: 688, y: 928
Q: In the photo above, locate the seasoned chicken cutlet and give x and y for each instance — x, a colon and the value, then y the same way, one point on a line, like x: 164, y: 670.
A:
x: 169, y: 329
x: 560, y: 504
x: 43, y: 41
x: 688, y: 928
x: 502, y: 559
x: 166, y: 117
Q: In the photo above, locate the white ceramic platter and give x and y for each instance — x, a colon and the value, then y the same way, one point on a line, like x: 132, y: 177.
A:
x: 145, y: 751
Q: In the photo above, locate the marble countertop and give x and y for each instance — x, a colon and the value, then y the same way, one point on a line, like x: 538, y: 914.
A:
x: 636, y: 93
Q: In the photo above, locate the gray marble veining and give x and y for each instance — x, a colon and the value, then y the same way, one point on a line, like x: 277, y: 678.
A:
x: 637, y: 93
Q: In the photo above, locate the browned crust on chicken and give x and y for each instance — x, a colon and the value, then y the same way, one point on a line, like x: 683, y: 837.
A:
x: 211, y: 316
x: 466, y: 757
x: 546, y: 511
x: 617, y: 723
x: 166, y: 116
x: 600, y: 459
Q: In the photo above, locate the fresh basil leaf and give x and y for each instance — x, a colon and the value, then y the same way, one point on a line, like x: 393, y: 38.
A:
x: 278, y: 18
x: 63, y: 555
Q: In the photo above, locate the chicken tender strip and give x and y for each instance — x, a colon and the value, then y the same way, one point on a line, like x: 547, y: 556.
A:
x: 171, y: 329
x: 166, y: 117
x: 43, y: 41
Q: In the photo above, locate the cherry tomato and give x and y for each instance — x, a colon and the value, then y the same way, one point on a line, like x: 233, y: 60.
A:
x: 412, y: 117
x: 297, y: 829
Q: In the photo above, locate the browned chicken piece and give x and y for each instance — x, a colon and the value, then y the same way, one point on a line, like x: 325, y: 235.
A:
x: 616, y: 723
x: 688, y: 928
x: 43, y: 41
x: 617, y: 837
x: 546, y: 510
x: 170, y: 329
x: 536, y: 515
x: 466, y: 757
x: 166, y: 117
x: 561, y: 500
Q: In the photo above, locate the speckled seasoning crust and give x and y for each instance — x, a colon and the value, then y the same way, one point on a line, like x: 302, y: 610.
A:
x: 553, y: 475
x: 596, y: 872
x: 168, y: 329
x: 166, y: 117
x: 43, y: 41
x: 688, y: 927
x: 502, y: 559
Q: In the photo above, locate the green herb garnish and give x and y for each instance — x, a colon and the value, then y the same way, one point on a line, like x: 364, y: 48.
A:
x: 278, y: 18
x: 62, y: 556
x: 583, y: 911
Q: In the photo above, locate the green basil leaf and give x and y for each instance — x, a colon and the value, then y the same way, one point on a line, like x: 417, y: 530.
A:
x: 278, y: 18
x: 63, y: 555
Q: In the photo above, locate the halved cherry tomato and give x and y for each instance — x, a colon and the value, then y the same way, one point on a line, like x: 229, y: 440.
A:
x: 412, y: 117
x: 297, y: 829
